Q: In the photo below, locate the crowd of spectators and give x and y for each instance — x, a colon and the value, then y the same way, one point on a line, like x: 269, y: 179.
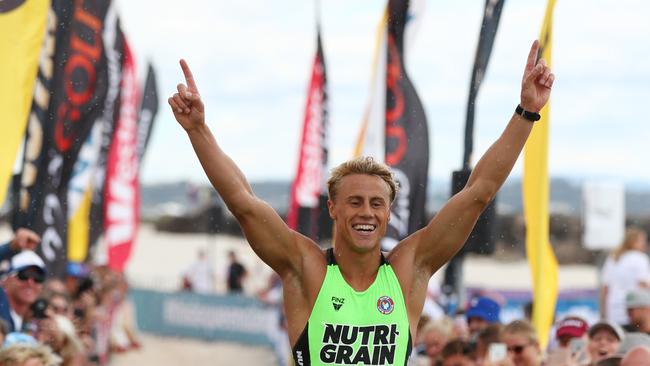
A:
x: 78, y: 320
x: 475, y: 336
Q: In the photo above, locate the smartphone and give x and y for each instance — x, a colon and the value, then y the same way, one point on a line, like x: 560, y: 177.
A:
x: 497, y: 352
x: 578, y: 347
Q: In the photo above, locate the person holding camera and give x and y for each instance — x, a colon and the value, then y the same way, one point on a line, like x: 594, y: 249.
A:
x: 21, y: 287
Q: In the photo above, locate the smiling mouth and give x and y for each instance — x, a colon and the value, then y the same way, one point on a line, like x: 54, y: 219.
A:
x: 364, y: 228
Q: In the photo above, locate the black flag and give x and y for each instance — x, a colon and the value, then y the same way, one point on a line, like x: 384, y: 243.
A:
x: 407, y: 134
x: 78, y: 89
x: 147, y: 113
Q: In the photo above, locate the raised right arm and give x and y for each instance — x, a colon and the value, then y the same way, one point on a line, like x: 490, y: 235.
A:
x: 270, y: 238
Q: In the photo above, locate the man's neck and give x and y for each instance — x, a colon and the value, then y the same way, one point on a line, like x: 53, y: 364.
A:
x: 358, y: 269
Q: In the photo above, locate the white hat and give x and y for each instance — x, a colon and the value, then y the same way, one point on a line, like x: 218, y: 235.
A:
x: 26, y: 259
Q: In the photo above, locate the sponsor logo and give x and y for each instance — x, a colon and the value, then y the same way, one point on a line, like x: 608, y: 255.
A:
x: 385, y: 305
x: 352, y: 345
x: 337, y: 302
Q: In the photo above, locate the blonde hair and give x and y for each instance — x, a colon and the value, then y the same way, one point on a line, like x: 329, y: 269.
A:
x: 71, y: 345
x: 523, y: 328
x: 362, y: 165
x: 632, y: 234
x: 18, y: 354
x: 443, y: 326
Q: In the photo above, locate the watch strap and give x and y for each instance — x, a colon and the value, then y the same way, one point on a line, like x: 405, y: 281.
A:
x: 531, y: 116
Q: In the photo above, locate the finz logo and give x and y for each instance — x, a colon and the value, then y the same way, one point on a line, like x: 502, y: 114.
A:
x: 385, y: 305
x: 337, y: 302
x: 9, y: 5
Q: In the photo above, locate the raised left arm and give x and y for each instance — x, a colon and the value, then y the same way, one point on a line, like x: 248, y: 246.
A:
x: 435, y: 244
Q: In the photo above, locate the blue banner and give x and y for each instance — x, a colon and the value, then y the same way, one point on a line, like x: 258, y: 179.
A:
x: 207, y: 317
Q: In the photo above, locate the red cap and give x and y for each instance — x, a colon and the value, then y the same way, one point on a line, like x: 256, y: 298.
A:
x: 571, y: 326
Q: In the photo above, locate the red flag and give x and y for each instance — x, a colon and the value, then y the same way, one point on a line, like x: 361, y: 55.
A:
x: 122, y: 196
x: 309, y: 186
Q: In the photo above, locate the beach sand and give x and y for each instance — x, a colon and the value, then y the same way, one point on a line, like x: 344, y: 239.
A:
x: 175, y: 351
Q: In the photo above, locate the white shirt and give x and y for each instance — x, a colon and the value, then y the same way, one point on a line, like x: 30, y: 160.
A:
x: 621, y: 277
x: 201, y: 276
x: 18, y: 320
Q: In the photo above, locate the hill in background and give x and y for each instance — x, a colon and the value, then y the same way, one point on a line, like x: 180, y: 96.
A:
x: 565, y: 197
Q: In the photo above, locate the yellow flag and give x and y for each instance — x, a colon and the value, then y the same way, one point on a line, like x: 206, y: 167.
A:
x: 78, y: 229
x: 541, y: 259
x: 22, y: 28
x: 370, y: 141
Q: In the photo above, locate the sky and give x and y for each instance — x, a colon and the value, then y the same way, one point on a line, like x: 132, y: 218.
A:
x: 252, y: 59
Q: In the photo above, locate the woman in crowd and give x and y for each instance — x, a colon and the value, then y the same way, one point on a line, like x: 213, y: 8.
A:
x: 626, y: 268
x: 522, y: 344
x: 434, y: 336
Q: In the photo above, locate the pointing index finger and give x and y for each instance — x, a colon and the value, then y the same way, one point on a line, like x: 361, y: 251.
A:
x: 532, y: 56
x: 189, y: 79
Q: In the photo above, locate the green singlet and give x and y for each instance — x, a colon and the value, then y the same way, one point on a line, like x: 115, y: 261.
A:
x: 347, y: 327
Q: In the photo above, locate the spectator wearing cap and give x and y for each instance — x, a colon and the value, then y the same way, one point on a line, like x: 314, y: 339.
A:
x: 21, y: 288
x: 481, y: 312
x: 24, y: 239
x: 638, y: 310
x: 604, y: 339
x: 569, y: 328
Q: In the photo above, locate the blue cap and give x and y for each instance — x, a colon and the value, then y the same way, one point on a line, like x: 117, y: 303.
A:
x: 484, y: 308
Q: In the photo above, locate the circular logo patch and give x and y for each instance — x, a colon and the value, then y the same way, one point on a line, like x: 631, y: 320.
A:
x: 385, y: 305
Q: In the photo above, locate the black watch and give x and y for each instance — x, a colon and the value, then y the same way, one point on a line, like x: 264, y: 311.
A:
x: 531, y: 116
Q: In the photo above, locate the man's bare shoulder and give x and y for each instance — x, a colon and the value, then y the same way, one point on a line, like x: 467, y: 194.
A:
x: 312, y: 256
x: 403, y: 253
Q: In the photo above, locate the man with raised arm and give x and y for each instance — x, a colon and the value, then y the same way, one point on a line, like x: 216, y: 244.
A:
x: 354, y: 304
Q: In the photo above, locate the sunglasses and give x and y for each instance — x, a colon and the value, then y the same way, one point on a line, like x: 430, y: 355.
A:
x: 517, y: 349
x: 36, y: 276
x: 63, y: 309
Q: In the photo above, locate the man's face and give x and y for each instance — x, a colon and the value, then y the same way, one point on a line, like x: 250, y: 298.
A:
x: 603, y: 344
x: 639, y: 317
x: 361, y: 210
x: 25, y: 286
x: 521, y: 351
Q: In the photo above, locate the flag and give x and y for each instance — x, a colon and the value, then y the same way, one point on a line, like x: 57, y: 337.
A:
x: 395, y: 128
x: 308, y: 197
x: 122, y: 201
x: 481, y: 240
x: 541, y: 259
x: 82, y: 187
x: 22, y: 29
x: 78, y: 88
x: 27, y: 192
x: 114, y: 46
x: 147, y: 113
x: 489, y: 26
